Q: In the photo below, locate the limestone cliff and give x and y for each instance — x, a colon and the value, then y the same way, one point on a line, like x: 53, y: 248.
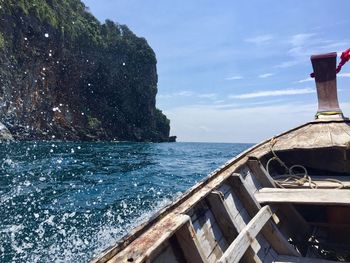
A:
x: 64, y: 75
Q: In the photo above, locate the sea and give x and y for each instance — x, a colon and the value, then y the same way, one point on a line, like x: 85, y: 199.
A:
x: 68, y: 201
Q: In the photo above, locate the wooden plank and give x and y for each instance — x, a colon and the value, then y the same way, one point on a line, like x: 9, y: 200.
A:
x: 245, y: 196
x: 293, y: 225
x: 259, y: 171
x: 289, y: 259
x: 238, y: 247
x: 321, y: 184
x: 150, y: 247
x: 222, y: 216
x: 277, y: 240
x: 217, y: 251
x: 271, y: 233
x: 291, y: 222
x: 228, y: 225
x: 189, y: 244
x: 264, y: 250
x: 225, y: 189
x: 237, y: 216
x: 208, y: 232
x: 267, y: 181
x: 251, y: 182
x: 233, y: 204
x: 304, y: 196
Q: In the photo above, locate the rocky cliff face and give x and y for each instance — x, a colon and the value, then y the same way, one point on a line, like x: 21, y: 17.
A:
x: 63, y: 75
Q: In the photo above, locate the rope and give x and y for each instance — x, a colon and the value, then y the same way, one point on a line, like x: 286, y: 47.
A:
x: 291, y: 178
x: 327, y: 113
x: 345, y: 56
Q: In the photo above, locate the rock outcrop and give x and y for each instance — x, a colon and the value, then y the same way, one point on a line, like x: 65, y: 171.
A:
x: 64, y: 75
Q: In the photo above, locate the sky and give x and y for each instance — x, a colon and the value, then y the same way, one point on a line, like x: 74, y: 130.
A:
x: 236, y: 71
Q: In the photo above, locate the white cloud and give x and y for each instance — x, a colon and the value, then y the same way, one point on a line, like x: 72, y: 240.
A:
x: 210, y: 124
x: 260, y: 40
x: 164, y: 96
x: 270, y: 93
x: 237, y: 77
x: 305, y: 80
x: 287, y: 64
x: 208, y: 96
x: 344, y: 75
x: 302, y: 45
x: 266, y: 75
x: 184, y: 93
x: 301, y: 39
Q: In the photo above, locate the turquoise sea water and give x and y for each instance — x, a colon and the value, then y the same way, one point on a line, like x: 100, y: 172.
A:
x: 66, y: 202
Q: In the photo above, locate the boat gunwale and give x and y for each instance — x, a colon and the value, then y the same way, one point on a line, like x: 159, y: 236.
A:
x: 135, y: 233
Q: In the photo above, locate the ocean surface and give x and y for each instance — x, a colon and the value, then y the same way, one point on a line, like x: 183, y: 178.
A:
x: 66, y: 202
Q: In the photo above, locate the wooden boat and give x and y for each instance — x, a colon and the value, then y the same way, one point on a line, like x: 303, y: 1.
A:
x: 284, y: 200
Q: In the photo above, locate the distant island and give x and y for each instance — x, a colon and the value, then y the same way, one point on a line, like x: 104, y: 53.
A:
x: 66, y: 76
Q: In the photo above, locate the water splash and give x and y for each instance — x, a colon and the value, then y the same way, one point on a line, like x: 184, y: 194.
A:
x: 66, y: 202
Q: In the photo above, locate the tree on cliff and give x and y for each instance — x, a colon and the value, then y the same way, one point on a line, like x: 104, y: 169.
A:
x: 65, y: 75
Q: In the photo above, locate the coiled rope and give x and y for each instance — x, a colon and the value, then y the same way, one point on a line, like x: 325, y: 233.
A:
x: 291, y: 178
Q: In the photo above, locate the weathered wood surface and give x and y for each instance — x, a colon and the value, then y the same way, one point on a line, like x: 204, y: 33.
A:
x: 291, y: 222
x: 222, y: 216
x: 304, y: 196
x: 146, y: 248
x: 271, y: 233
x: 244, y: 239
x: 289, y: 259
x: 313, y: 135
x: 244, y: 195
x: 260, y: 172
x: 317, y: 134
x: 190, y: 244
x: 209, y: 235
x: 326, y: 182
x: 321, y: 184
x: 235, y: 216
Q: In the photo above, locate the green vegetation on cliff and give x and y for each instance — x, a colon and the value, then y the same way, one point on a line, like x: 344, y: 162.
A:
x: 57, y: 53
x: 70, y: 16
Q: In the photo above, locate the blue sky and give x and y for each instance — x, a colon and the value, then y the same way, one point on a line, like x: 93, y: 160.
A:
x: 236, y: 71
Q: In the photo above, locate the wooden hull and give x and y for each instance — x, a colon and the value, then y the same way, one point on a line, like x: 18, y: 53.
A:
x: 240, y: 213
